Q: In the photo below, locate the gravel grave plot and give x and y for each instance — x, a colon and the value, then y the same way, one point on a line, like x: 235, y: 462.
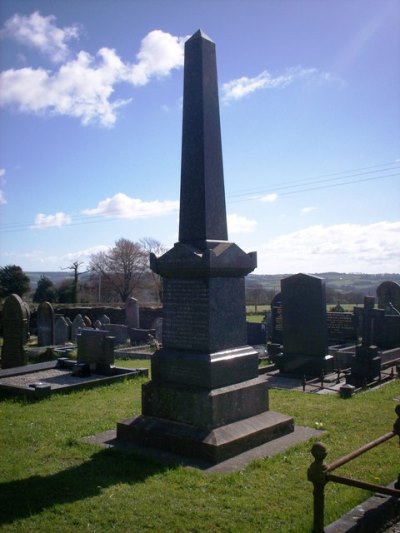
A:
x: 55, y: 377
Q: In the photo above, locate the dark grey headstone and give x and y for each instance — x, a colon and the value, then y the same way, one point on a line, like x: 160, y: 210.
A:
x: 305, y: 334
x: 15, y: 327
x: 45, y: 324
x: 276, y: 319
x: 341, y: 327
x: 388, y: 292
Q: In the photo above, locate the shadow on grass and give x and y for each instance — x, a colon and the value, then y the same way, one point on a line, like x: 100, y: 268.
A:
x: 25, y: 497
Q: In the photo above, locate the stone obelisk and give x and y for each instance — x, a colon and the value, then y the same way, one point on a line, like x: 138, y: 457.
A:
x: 205, y: 398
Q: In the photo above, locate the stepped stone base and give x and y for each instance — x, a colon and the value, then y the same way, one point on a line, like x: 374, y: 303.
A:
x: 204, y: 408
x: 214, y: 445
x: 301, y: 365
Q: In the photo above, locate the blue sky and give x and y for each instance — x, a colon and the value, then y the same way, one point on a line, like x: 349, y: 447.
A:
x: 90, y: 128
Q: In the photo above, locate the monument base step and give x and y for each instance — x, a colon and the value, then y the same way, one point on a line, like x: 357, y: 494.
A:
x: 216, y: 445
x: 304, y: 365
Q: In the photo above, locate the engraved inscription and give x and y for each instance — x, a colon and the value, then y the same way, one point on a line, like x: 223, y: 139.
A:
x: 186, y: 311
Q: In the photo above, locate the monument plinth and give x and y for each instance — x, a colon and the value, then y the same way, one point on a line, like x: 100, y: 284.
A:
x: 206, y: 398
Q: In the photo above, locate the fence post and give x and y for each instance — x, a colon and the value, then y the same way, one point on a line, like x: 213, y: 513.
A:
x: 317, y: 475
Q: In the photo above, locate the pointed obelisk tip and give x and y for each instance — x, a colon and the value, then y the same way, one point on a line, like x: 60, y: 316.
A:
x: 199, y: 34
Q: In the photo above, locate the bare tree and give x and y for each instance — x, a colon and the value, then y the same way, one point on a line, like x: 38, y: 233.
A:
x: 123, y: 267
x: 151, y: 245
x: 75, y: 267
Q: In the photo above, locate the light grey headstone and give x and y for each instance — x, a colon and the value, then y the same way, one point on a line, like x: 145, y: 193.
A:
x: 45, y: 324
x: 77, y: 324
x: 132, y: 313
x: 61, y: 330
x: 104, y: 319
x: 119, y: 331
x: 157, y: 325
x: 95, y: 347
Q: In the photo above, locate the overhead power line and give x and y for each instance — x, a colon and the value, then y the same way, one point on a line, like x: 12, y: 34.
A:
x: 324, y: 181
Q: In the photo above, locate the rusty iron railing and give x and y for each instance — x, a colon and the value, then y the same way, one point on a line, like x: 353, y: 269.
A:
x: 319, y: 473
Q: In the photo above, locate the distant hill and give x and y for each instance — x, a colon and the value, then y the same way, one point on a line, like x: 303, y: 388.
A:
x: 364, y: 283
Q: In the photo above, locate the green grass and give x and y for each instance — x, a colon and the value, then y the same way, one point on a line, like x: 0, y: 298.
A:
x: 50, y: 480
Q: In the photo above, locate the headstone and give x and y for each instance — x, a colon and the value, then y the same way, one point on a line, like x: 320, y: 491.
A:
x: 15, y: 328
x: 140, y: 336
x: 205, y: 398
x: 388, y: 292
x: 119, y: 331
x: 77, y: 324
x: 256, y: 333
x: 276, y: 320
x: 104, y: 319
x: 45, y: 324
x: 61, y: 330
x: 132, y: 313
x: 305, y: 334
x: 366, y: 364
x: 157, y: 325
x: 341, y: 327
x: 96, y: 349
x: 88, y: 322
x: 69, y: 322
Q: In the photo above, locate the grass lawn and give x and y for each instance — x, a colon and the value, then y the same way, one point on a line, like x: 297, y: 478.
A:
x: 52, y: 481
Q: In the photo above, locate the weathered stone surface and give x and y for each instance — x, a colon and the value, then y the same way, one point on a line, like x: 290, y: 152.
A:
x: 118, y: 331
x: 95, y: 347
x: 15, y: 328
x: 77, y: 324
x: 61, y: 330
x: 45, y: 324
x: 132, y: 313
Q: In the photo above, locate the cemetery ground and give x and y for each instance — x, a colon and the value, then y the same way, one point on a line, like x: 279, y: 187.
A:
x: 52, y: 480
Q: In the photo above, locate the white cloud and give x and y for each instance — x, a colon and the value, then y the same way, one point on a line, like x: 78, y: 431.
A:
x: 123, y: 206
x: 239, y: 224
x: 41, y: 33
x: 369, y: 248
x: 83, y: 87
x: 269, y: 198
x: 43, y: 221
x: 306, y: 210
x: 2, y: 172
x: 241, y: 87
x: 41, y: 260
x: 160, y: 52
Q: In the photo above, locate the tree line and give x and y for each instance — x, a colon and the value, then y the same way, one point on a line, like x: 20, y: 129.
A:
x: 112, y: 276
